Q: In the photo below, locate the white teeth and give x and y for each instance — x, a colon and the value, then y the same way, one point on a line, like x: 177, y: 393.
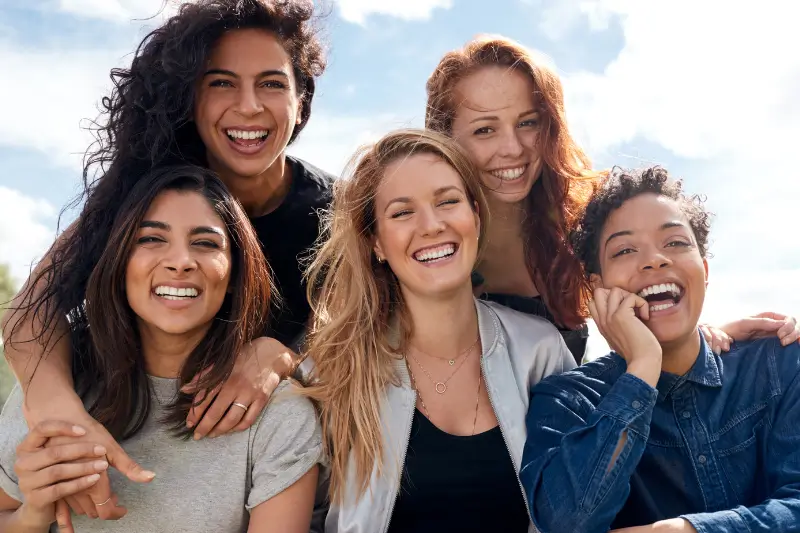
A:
x: 661, y: 307
x: 435, y: 253
x: 509, y: 173
x: 659, y: 289
x: 241, y: 134
x: 175, y: 293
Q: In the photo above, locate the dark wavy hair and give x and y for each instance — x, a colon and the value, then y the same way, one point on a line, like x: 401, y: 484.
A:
x: 562, y: 190
x: 107, y: 363
x: 621, y: 186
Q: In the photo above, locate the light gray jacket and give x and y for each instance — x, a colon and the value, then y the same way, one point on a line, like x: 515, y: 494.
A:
x: 518, y: 350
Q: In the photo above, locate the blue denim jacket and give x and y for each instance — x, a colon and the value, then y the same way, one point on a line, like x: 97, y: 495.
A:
x: 718, y: 446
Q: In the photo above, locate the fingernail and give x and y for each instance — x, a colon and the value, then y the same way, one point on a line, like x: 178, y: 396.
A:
x: 93, y: 478
x: 148, y: 475
x: 99, y: 450
x: 78, y: 430
x: 100, y: 465
x: 197, y: 436
x: 189, y: 424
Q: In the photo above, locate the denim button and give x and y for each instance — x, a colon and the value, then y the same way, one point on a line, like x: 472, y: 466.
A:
x: 702, y: 459
x: 686, y: 414
x: 637, y: 404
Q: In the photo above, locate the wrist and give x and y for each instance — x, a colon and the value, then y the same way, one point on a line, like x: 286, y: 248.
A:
x: 56, y: 404
x: 648, y: 369
x: 32, y: 520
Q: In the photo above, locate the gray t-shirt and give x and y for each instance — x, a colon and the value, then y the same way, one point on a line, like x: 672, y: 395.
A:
x: 207, y: 485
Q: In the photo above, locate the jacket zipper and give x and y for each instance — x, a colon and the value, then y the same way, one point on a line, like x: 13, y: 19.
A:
x: 491, y: 401
x: 402, y: 464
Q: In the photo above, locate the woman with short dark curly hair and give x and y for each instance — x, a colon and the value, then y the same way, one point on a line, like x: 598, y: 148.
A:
x: 223, y: 84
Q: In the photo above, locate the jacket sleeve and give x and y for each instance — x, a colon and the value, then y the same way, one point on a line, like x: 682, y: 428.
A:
x: 574, y: 475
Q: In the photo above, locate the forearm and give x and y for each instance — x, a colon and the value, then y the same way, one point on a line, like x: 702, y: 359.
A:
x: 15, y: 522
x: 772, y: 515
x: 41, y: 360
x: 582, y: 482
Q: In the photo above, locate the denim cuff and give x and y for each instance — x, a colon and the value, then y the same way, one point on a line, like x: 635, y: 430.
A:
x: 728, y: 521
x: 630, y: 401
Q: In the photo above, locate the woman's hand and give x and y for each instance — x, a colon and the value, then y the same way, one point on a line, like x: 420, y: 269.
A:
x: 236, y: 404
x: 47, y: 475
x: 759, y: 326
x: 85, y: 502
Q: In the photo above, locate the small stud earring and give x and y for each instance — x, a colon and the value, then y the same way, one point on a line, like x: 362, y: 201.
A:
x: 379, y: 258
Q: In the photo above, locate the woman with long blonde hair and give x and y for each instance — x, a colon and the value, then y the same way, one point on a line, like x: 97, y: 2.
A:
x: 423, y: 389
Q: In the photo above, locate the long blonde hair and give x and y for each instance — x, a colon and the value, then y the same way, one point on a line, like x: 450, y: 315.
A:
x: 354, y: 298
x: 567, y: 181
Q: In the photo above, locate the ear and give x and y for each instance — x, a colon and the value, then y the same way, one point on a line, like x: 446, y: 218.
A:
x: 596, y: 282
x: 299, y: 117
x: 378, y: 249
x: 705, y: 267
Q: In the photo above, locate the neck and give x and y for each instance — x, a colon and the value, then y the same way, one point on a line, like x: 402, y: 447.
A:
x: 262, y: 194
x: 504, y: 265
x: 165, y: 353
x: 680, y: 355
x: 444, y: 326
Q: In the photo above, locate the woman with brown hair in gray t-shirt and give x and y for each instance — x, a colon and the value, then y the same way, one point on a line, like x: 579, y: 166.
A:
x: 181, y: 286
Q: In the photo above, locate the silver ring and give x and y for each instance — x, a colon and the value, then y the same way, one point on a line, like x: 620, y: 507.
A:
x: 105, y: 502
x: 243, y: 406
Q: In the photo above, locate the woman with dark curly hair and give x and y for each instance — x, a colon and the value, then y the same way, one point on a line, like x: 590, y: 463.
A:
x: 661, y: 435
x: 226, y: 84
x: 180, y: 285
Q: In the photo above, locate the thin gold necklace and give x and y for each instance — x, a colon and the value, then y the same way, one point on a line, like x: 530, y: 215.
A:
x: 425, y: 409
x: 441, y: 386
x: 450, y: 361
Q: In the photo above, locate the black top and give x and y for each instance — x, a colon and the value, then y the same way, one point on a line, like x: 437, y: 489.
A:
x: 575, y: 339
x: 453, y: 483
x: 286, y: 234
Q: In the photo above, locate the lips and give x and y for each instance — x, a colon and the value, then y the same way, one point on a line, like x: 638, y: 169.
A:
x: 662, y: 296
x: 247, y: 141
x: 170, y: 292
x: 509, y: 174
x: 433, y: 254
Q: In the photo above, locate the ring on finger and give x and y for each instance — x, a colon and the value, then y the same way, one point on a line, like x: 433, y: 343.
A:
x: 237, y: 404
x: 105, y: 502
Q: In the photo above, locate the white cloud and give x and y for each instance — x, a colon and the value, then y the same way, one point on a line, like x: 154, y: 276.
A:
x: 357, y: 11
x: 26, y: 230
x: 52, y: 92
x: 716, y: 84
x: 117, y: 10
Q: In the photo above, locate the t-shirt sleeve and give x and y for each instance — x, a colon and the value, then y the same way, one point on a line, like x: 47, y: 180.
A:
x: 286, y: 444
x: 13, y: 430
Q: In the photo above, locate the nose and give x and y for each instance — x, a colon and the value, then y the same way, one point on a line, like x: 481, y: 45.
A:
x: 179, y: 260
x: 654, y: 260
x: 248, y: 104
x: 510, y: 145
x: 430, y: 222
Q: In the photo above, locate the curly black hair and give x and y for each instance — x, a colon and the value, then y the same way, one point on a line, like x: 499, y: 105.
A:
x: 622, y: 185
x: 147, y: 122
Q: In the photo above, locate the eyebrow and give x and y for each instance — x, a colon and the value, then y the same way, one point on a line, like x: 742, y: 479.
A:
x: 437, y: 192
x: 494, y: 117
x: 199, y: 230
x: 264, y: 74
x: 666, y: 225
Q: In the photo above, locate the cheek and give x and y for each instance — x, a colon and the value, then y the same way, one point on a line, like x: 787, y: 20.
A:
x: 219, y: 269
x: 138, y: 275
x: 394, y: 239
x: 530, y: 140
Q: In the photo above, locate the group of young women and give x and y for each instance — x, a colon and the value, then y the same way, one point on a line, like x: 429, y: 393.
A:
x: 424, y: 293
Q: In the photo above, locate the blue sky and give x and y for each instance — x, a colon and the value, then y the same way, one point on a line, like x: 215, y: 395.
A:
x: 704, y: 88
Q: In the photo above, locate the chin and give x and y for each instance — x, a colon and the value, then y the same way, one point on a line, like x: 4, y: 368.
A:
x: 667, y: 332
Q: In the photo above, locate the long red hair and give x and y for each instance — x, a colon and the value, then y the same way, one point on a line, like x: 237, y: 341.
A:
x: 567, y: 180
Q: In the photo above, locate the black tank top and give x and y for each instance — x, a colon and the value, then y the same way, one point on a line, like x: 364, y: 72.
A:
x: 454, y: 483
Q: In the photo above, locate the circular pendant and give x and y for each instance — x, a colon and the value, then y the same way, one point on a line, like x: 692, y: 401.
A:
x: 441, y: 388
x: 452, y: 362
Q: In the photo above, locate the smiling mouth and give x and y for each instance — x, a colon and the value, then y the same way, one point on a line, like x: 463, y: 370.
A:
x: 174, y: 293
x: 435, y: 254
x: 662, y: 296
x: 247, y: 138
x: 509, y: 174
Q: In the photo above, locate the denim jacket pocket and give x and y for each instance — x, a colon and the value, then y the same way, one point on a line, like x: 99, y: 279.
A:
x: 738, y: 445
